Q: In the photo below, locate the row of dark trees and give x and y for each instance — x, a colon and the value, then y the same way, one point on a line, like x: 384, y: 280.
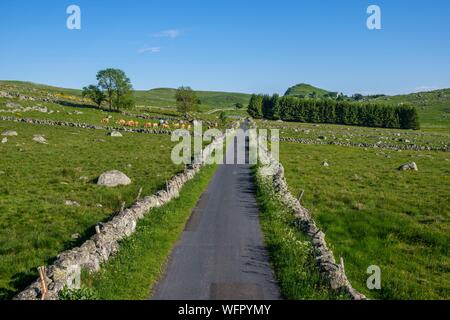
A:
x: 290, y: 108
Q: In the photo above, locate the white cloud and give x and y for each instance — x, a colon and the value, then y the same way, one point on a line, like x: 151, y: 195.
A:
x: 171, y: 33
x: 150, y: 50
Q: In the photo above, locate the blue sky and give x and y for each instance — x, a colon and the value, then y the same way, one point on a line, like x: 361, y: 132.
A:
x: 230, y: 45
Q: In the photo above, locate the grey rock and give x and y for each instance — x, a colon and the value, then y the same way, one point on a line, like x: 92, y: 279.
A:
x: 39, y: 139
x: 113, y: 178
x: 115, y: 134
x: 9, y: 133
x: 71, y: 203
x: 409, y: 166
x: 5, y: 140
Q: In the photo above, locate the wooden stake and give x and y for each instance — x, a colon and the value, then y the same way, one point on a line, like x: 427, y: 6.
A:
x: 301, y: 195
x: 122, y: 207
x: 41, y: 271
x: 342, y: 264
x: 139, y: 194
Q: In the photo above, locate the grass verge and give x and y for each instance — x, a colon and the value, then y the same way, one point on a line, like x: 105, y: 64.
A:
x: 290, y: 251
x: 131, y: 274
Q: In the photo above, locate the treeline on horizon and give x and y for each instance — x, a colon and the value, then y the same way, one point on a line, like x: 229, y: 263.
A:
x: 368, y: 114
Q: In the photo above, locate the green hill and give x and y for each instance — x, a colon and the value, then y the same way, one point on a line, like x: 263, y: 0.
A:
x: 305, y: 90
x: 433, y: 107
x: 165, y: 97
x: 160, y: 97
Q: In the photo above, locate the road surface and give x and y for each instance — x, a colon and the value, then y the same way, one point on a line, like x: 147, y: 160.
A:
x: 221, y: 254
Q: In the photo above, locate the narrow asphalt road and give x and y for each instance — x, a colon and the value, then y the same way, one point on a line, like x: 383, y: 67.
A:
x: 221, y: 255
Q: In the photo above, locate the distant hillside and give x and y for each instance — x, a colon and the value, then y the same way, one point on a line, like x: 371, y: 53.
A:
x: 305, y: 90
x: 433, y: 106
x: 165, y: 97
x: 160, y: 97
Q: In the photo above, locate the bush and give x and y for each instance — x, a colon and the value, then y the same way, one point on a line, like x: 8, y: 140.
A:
x: 83, y: 293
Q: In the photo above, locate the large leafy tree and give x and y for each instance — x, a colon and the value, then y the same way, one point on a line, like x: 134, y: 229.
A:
x: 187, y: 100
x: 114, y: 87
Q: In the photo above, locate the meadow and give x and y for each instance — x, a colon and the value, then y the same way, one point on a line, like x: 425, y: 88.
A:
x: 335, y: 134
x: 37, y: 179
x: 374, y: 214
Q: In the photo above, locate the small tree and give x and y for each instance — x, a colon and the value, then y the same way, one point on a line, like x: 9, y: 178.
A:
x: 239, y: 105
x: 187, y: 100
x: 255, y: 106
x: 223, y: 117
x: 95, y: 94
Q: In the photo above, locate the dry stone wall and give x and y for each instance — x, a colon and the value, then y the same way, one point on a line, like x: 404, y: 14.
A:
x: 386, y: 146
x: 82, y: 125
x: 273, y: 173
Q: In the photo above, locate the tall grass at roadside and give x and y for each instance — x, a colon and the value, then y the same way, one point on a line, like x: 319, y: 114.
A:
x: 290, y: 250
x: 131, y: 274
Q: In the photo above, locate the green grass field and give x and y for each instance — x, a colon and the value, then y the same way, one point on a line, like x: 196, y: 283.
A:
x: 35, y: 223
x: 373, y: 214
x: 330, y: 133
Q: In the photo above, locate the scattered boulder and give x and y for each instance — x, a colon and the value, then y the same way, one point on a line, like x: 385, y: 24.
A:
x: 9, y: 133
x: 113, y: 178
x: 39, y: 139
x: 325, y: 164
x: 71, y: 203
x: 5, y: 140
x: 115, y: 134
x: 409, y: 166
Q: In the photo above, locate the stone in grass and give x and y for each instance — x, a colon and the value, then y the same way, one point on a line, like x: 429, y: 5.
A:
x: 71, y: 203
x: 113, y: 178
x: 325, y: 164
x: 9, y: 133
x: 5, y: 140
x: 409, y: 166
x: 39, y: 139
x: 116, y: 134
x: 75, y: 236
